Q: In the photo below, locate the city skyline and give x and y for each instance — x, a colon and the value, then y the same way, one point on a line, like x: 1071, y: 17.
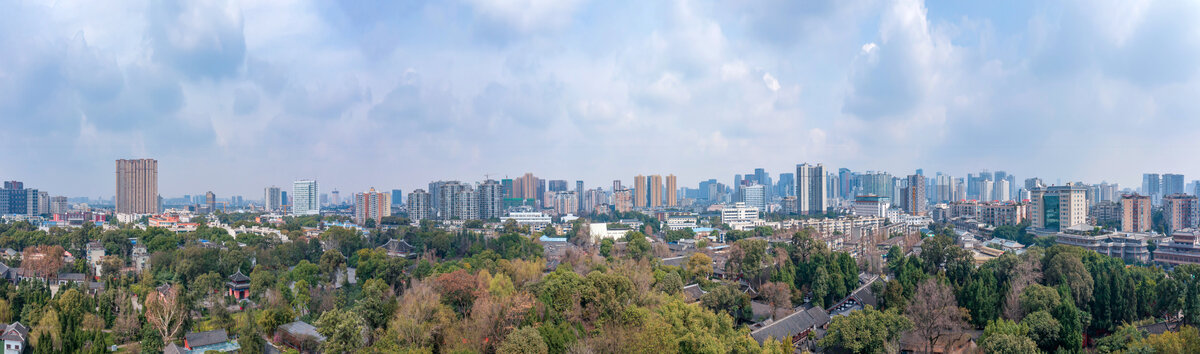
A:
x: 399, y: 94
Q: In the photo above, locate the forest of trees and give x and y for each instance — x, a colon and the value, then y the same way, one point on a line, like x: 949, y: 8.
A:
x: 469, y: 293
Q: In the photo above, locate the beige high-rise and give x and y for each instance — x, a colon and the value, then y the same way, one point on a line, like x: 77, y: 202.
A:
x: 656, y: 189
x: 672, y: 198
x: 639, y: 192
x: 137, y: 186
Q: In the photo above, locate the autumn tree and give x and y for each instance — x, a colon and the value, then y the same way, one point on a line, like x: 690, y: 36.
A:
x: 865, y: 331
x: 44, y: 260
x: 934, y: 312
x: 526, y: 340
x: 420, y: 315
x: 699, y: 266
x: 777, y: 295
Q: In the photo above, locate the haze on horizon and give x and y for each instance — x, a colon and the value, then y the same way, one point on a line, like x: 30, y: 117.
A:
x: 235, y: 96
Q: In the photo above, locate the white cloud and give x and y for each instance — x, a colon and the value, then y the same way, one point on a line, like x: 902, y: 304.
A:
x: 771, y: 82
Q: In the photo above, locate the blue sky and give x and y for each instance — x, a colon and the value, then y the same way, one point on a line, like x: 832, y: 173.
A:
x: 234, y: 96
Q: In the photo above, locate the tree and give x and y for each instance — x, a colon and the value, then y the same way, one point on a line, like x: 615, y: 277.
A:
x: 45, y: 261
x: 866, y: 331
x: 670, y: 283
x: 1043, y: 329
x: 893, y: 296
x: 606, y: 246
x: 377, y: 305
x: 1066, y: 268
x: 420, y: 315
x: 332, y: 262
x: 1039, y: 297
x: 1186, y: 340
x: 344, y: 331
x: 699, y: 266
x: 48, y: 327
x: 458, y: 290
x: 777, y: 295
x: 526, y: 340
x: 729, y: 300
x: 165, y: 313
x: 934, y: 312
x: 1008, y: 344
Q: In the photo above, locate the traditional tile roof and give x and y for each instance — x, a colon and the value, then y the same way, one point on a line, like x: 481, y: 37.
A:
x: 239, y: 277
x: 200, y: 339
x: 302, y: 329
x: 16, y: 332
x: 792, y: 325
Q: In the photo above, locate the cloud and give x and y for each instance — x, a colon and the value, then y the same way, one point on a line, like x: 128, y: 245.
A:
x: 201, y: 39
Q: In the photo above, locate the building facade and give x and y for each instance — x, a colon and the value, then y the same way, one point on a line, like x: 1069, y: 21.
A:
x: 1058, y: 207
x: 419, y: 205
x: 372, y: 205
x: 1180, y: 211
x: 1135, y: 213
x: 137, y: 186
x: 305, y: 198
x: 810, y: 189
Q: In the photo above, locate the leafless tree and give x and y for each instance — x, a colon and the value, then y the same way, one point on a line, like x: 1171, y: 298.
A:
x: 778, y: 295
x: 165, y: 313
x: 934, y: 312
x: 1025, y: 273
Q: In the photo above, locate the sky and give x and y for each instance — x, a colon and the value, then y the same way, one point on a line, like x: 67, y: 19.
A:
x: 235, y: 96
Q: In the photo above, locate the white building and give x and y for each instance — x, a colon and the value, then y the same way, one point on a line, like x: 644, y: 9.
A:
x: 681, y: 221
x: 1058, y: 208
x: 305, y: 198
x: 740, y: 216
x: 531, y: 218
x: 755, y: 196
x: 600, y: 231
x: 871, y: 205
x: 810, y: 189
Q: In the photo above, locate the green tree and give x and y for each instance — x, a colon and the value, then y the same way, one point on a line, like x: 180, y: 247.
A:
x: 670, y: 283
x: 866, y: 331
x: 344, y: 331
x: 1037, y: 297
x: 526, y: 340
x: 377, y: 304
x: 1066, y: 269
x: 606, y: 246
x: 729, y: 300
x: 1044, y: 329
x: 699, y: 266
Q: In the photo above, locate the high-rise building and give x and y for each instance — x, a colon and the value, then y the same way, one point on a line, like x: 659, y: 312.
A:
x: 755, y: 195
x: 304, y: 198
x: 1001, y: 191
x: 137, y: 186
x: 810, y: 189
x: 845, y: 188
x: 672, y: 197
x: 526, y: 187
x: 58, y: 205
x: 371, y: 205
x: 1058, y: 207
x: 641, y: 194
x: 558, y: 185
x: 490, y: 200
x: 579, y: 195
x: 1032, y: 183
x: 787, y: 185
x: 914, y: 195
x: 43, y: 203
x: 1181, y: 211
x: 336, y: 197
x: 15, y: 199
x: 445, y: 199
x: 272, y: 199
x: 1172, y: 184
x: 616, y: 185
x: 1151, y: 184
x: 655, y: 185
x: 210, y: 201
x: 420, y: 205
x: 397, y: 197
x: 1135, y: 213
x: 623, y: 200
x: 506, y: 187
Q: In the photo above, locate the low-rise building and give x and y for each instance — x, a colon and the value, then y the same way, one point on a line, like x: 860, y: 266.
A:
x: 1181, y: 248
x: 1129, y: 246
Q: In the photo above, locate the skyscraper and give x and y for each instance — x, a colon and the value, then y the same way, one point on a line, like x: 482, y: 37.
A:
x: 672, y: 190
x: 419, y: 205
x: 15, y: 199
x: 844, y: 184
x: 640, y: 195
x: 272, y: 199
x: 304, y: 198
x: 755, y: 195
x: 1151, y: 184
x: 526, y: 187
x: 397, y: 197
x: 1172, y: 184
x: 490, y: 196
x: 558, y: 185
x: 914, y: 195
x: 579, y: 195
x: 445, y: 199
x: 810, y: 188
x: 371, y: 205
x: 656, y: 190
x: 137, y: 186
x: 210, y: 201
x: 1135, y: 213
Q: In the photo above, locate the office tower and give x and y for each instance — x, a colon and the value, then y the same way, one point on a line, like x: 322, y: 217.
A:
x: 236, y: 200
x: 1172, y: 184
x: 1151, y: 184
x: 1012, y: 187
x: 640, y: 195
x: 1180, y: 211
x: 397, y: 197
x: 285, y: 200
x: 579, y: 194
x: 737, y: 183
x: 623, y: 200
x: 672, y: 197
x: 1194, y: 188
x: 1057, y: 208
x: 420, y: 205
x: 58, y: 205
x: 755, y: 195
x: 1135, y: 213
x: 16, y: 200
x: 1001, y: 191
x: 921, y: 172
x: 137, y: 186
x: 526, y: 187
x: 655, y: 185
x: 541, y: 190
x: 304, y: 198
x: 272, y: 199
x: 999, y: 175
x: 371, y: 205
x: 877, y: 183
x: 558, y: 185
x: 336, y: 197
x: 787, y: 184
x: 210, y: 201
x: 844, y: 183
x: 810, y: 189
x: 490, y: 200
x: 914, y: 195
x: 831, y: 188
x: 760, y: 176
